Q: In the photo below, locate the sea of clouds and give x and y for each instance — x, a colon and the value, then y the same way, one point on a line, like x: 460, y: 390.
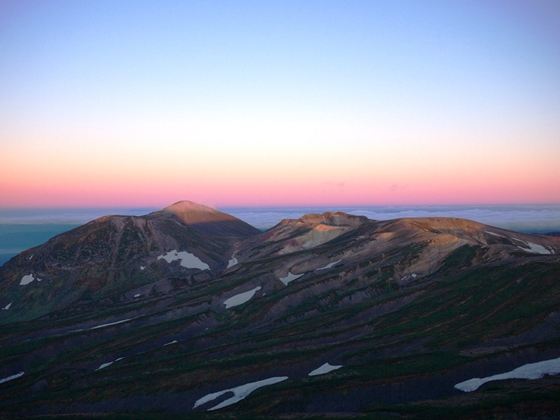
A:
x: 524, y: 218
x: 64, y: 216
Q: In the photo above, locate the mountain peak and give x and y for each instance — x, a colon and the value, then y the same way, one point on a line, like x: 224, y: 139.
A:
x: 207, y: 219
x: 191, y: 212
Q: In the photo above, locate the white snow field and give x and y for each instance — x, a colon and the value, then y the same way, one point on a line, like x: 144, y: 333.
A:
x: 9, y: 378
x: 5, y: 308
x: 492, y: 233
x: 104, y: 365
x: 239, y: 392
x: 28, y: 279
x: 536, y: 249
x: 240, y: 298
x: 290, y: 277
x: 110, y: 323
x: 187, y: 259
x: 326, y: 368
x: 528, y: 371
x: 171, y: 342
x: 329, y: 265
x: 232, y: 262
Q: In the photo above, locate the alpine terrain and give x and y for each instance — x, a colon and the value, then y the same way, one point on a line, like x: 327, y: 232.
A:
x: 192, y: 311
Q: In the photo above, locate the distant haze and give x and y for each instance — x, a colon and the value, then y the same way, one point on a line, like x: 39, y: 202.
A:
x: 65, y: 216
x: 527, y: 218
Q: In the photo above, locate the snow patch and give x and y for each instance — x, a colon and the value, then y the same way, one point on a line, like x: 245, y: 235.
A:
x: 326, y: 368
x: 329, y: 265
x: 232, y: 262
x: 109, y: 324
x: 28, y: 279
x: 414, y: 275
x: 9, y: 378
x: 171, y: 342
x: 528, y: 371
x: 137, y: 295
x: 239, y: 392
x: 31, y: 256
x: 5, y: 308
x: 290, y: 277
x: 187, y: 259
x: 495, y: 234
x: 536, y: 249
x: 142, y: 267
x: 104, y: 365
x: 240, y: 298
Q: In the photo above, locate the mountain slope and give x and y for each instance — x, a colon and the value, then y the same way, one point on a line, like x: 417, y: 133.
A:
x: 208, y: 221
x: 119, y: 254
x: 326, y: 313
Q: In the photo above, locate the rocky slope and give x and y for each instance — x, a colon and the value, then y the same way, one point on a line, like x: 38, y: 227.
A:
x: 119, y: 254
x: 326, y: 313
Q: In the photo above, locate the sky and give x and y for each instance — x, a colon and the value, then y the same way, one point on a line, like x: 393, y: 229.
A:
x: 288, y: 103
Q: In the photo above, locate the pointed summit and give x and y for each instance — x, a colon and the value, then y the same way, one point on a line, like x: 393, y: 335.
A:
x: 192, y: 213
x: 209, y: 220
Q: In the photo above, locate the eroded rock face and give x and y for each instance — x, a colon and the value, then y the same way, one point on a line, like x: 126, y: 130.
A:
x: 203, y: 306
x: 307, y: 232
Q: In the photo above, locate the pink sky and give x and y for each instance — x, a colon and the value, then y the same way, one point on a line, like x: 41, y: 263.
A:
x: 31, y: 185
x: 368, y: 103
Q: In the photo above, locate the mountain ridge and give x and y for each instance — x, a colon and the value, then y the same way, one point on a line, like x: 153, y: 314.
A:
x: 387, y: 312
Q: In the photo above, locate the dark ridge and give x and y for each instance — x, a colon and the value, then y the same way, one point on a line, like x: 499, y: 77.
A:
x: 107, y: 320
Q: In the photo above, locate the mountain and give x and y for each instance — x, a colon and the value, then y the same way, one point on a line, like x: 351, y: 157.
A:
x: 119, y: 255
x: 329, y: 313
x: 207, y: 220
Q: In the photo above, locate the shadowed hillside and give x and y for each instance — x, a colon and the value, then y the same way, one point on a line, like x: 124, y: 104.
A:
x: 189, y: 310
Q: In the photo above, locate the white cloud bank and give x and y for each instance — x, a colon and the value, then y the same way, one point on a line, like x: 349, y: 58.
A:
x: 525, y: 218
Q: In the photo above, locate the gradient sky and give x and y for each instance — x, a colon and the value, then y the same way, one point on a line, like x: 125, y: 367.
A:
x: 257, y: 103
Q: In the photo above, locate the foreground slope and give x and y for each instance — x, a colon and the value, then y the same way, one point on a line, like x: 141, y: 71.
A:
x: 326, y: 313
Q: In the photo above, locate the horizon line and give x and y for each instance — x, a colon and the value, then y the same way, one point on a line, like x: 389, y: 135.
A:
x: 229, y: 206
